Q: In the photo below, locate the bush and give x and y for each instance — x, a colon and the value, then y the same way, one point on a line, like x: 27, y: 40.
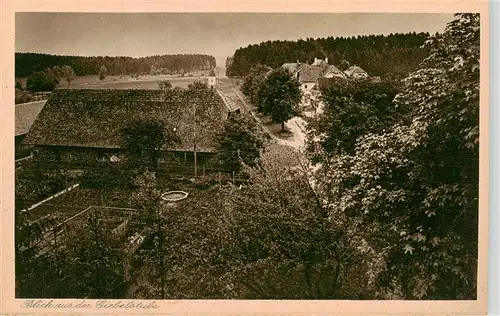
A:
x: 34, y: 184
x: 165, y: 85
x: 106, y: 176
x: 103, y: 72
x: 41, y: 81
x: 198, y: 85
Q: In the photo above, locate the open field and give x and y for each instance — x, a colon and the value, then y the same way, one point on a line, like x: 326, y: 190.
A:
x: 129, y: 81
x: 146, y: 82
x: 143, y: 82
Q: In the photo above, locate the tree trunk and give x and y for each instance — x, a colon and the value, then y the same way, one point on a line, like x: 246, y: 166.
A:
x: 282, y: 126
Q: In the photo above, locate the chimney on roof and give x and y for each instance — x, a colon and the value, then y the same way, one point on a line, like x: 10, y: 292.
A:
x: 315, y: 59
x: 298, y: 62
x: 326, y: 60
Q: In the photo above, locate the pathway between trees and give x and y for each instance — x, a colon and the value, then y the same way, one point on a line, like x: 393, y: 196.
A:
x: 295, y: 126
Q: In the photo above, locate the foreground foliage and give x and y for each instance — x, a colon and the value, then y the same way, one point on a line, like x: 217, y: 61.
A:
x: 289, y: 243
x: 415, y: 186
x: 88, y: 265
x: 240, y: 142
x: 353, y: 108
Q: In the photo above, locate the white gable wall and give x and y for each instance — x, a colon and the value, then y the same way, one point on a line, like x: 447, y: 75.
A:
x: 211, y: 81
x: 306, y: 88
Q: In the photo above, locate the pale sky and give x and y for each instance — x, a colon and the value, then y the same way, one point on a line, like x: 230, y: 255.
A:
x: 216, y: 34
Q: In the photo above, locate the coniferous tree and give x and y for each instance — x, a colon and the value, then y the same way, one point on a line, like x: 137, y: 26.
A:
x: 28, y: 63
x: 369, y: 52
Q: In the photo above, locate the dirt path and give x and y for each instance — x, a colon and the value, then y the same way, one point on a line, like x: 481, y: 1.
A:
x: 248, y: 109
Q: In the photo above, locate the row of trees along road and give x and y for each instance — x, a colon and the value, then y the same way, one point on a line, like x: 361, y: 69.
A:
x: 275, y: 93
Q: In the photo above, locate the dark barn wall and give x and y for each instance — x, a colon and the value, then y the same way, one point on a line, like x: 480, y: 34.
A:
x: 21, y: 150
x: 75, y: 157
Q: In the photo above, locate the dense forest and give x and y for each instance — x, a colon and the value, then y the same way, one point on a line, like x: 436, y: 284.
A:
x: 27, y: 63
x: 392, y: 56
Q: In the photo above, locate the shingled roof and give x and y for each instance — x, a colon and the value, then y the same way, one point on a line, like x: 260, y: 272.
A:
x: 292, y: 67
x: 231, y: 104
x: 95, y: 118
x: 310, y: 73
x: 26, y: 114
x: 351, y: 71
x: 332, y: 71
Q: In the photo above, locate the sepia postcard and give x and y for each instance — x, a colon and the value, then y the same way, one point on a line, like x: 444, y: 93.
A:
x: 221, y: 158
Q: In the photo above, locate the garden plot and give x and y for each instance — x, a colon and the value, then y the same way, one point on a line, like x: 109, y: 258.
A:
x: 74, y: 201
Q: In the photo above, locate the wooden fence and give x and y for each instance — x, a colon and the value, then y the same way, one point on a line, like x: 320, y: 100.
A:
x: 50, y: 198
x: 54, y: 237
x: 24, y: 158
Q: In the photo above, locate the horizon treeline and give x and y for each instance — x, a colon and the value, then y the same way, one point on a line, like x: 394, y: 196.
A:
x: 27, y: 63
x: 388, y: 56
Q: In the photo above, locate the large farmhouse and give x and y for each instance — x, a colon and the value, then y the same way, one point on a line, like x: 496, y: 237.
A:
x: 308, y: 76
x: 312, y: 76
x: 85, y: 125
